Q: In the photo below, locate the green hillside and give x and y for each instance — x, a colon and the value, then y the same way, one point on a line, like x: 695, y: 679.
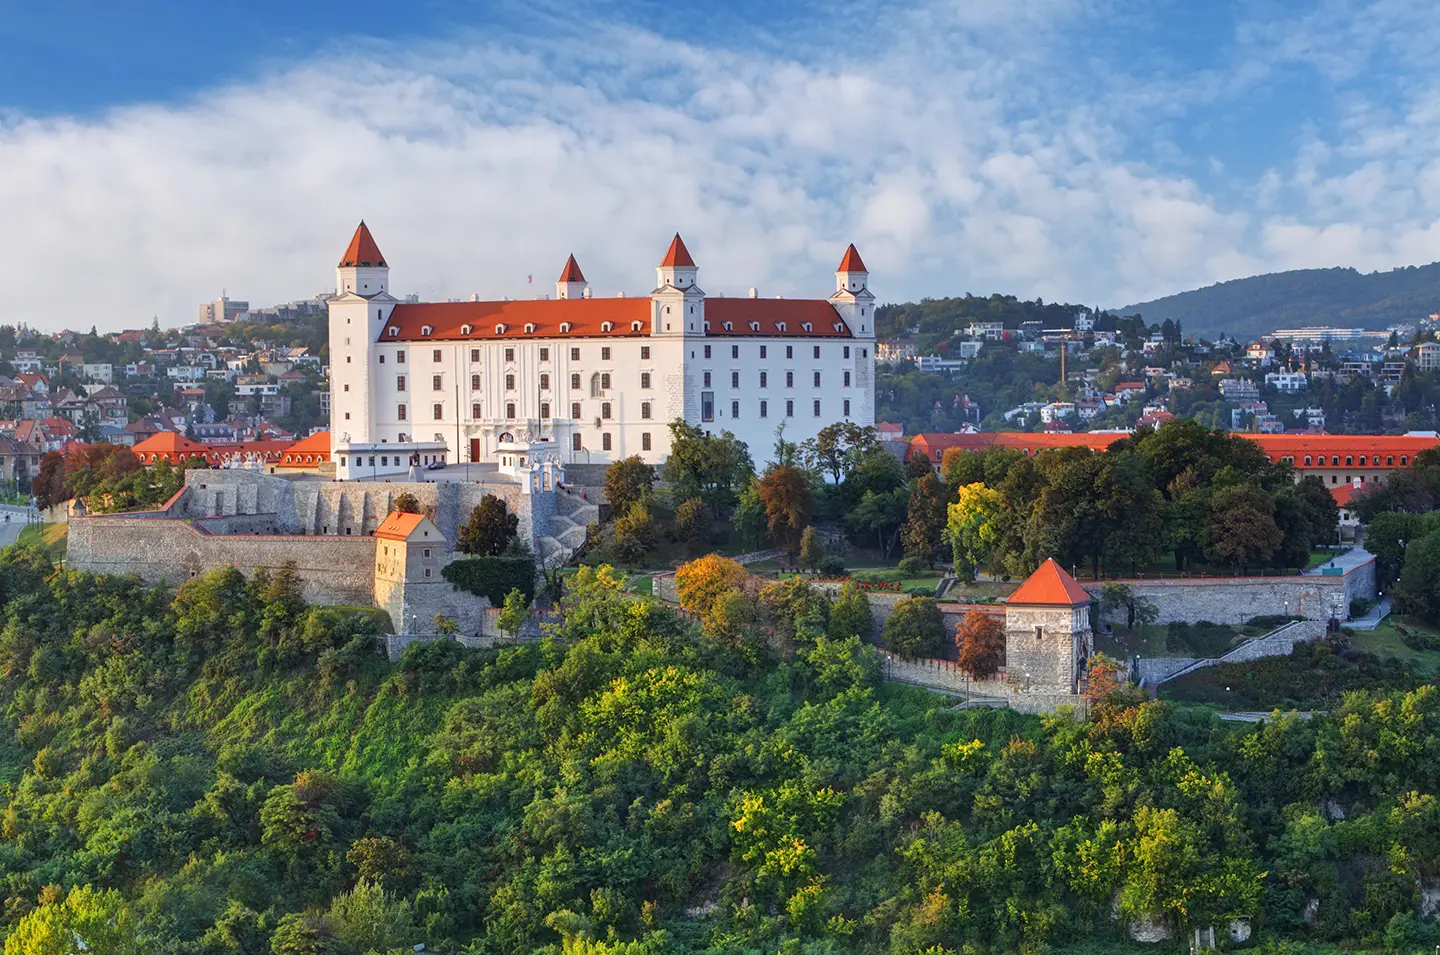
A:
x: 1250, y: 306
x: 225, y: 771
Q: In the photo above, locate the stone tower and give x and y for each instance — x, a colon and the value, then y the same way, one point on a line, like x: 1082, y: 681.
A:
x: 1048, y: 641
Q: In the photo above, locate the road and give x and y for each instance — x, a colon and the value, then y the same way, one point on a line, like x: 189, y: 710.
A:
x: 10, y: 530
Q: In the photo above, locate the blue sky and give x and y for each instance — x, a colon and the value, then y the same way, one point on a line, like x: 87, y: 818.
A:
x: 1103, y: 151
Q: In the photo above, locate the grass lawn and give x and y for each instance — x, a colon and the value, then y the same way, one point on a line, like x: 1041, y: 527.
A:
x: 642, y: 585
x: 49, y: 537
x: 1384, y: 641
x: 1174, y: 640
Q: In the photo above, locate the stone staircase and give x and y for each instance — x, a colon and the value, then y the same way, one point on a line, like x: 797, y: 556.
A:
x: 565, y: 529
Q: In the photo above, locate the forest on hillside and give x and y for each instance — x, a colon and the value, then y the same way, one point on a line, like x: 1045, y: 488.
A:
x: 1244, y: 308
x: 223, y: 770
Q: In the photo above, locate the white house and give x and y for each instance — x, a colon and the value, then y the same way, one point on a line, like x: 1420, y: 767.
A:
x: 1287, y: 382
x: 594, y: 379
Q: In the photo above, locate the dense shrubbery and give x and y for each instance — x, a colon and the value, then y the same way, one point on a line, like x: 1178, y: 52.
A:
x: 232, y: 772
x: 1312, y: 677
x: 492, y: 577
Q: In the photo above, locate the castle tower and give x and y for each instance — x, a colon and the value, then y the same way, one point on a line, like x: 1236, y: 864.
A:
x: 678, y: 303
x: 571, y: 283
x: 1048, y: 642
x: 357, y: 317
x: 852, y: 297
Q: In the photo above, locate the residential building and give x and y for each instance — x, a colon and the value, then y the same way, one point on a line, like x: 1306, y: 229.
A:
x: 1286, y: 382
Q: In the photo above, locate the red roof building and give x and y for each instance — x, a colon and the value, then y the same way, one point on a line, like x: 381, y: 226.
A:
x: 307, y: 452
x: 1049, y: 586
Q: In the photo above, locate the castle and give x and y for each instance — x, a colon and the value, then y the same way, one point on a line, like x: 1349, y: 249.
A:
x: 581, y: 379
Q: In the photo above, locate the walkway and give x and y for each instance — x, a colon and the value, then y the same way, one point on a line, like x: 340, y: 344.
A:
x: 1371, y: 620
x: 1341, y: 563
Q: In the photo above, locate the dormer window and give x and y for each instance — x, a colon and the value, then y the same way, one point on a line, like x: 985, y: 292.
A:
x: 754, y: 326
x: 838, y: 327
x: 529, y: 328
x: 606, y: 326
x: 564, y: 327
x: 635, y: 326
x: 466, y: 329
x: 729, y: 326
x: 780, y: 327
x: 707, y: 326
x: 806, y: 326
x: 499, y: 329
x: 394, y: 331
x: 426, y: 329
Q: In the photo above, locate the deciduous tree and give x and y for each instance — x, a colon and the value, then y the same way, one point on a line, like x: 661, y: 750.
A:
x: 704, y: 580
x: 973, y: 528
x: 981, y: 640
x: 916, y: 628
x: 925, y: 519
x: 627, y: 481
x: 785, y: 492
x: 490, y: 528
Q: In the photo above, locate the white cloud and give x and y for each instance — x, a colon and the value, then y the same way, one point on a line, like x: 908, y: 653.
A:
x: 957, y: 157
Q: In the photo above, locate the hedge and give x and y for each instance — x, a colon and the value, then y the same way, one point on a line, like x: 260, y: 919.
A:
x: 492, y: 577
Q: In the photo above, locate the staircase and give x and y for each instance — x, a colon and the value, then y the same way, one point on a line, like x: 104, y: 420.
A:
x: 565, y: 529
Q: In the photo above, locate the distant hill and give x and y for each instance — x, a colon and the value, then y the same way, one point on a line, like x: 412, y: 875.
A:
x: 1262, y: 303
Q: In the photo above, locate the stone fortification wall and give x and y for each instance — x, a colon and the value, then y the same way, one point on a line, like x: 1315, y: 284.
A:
x: 945, y: 676
x: 489, y: 634
x: 1237, y: 599
x: 1277, y: 643
x: 333, y: 570
x: 237, y: 524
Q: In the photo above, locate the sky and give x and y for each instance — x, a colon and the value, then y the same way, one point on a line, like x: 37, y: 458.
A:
x: 1093, y: 151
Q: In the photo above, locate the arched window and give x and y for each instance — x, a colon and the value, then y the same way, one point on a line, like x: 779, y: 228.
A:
x: 1307, y: 460
x: 1404, y: 459
x: 1362, y: 460
x: 595, y: 385
x: 1349, y: 460
x: 1389, y: 460
x: 509, y: 382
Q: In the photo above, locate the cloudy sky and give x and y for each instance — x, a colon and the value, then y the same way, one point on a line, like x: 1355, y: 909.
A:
x: 1098, y: 151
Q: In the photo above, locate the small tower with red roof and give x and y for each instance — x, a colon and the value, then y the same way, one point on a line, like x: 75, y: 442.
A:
x: 358, y: 314
x: 362, y: 269
x: 852, y: 297
x: 1048, y: 641
x: 571, y: 283
x: 678, y: 307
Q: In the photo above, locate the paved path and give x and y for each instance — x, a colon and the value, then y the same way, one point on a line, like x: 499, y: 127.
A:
x: 10, y: 531
x: 1341, y: 563
x: 1371, y: 620
x: 1251, y: 717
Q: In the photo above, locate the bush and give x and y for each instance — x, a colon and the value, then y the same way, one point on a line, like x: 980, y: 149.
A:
x: 492, y: 577
x: 831, y: 564
x: 914, y: 566
x: 1271, y: 620
x: 1360, y: 606
x: 915, y: 629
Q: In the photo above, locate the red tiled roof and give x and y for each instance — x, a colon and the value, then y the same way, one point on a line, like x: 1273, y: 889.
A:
x: 769, y: 313
x: 585, y: 316
x: 572, y: 271
x: 677, y: 254
x: 1049, y: 586
x: 168, y: 444
x: 307, y: 452
x: 851, y: 262
x: 1343, y: 493
x: 362, y: 250
x: 398, y: 527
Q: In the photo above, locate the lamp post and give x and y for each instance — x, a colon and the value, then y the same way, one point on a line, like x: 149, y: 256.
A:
x: 1229, y: 700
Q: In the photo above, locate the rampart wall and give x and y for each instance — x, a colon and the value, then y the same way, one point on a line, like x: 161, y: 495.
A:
x: 1237, y: 599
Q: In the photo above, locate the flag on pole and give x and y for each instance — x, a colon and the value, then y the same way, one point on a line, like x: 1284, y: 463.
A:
x: 530, y: 278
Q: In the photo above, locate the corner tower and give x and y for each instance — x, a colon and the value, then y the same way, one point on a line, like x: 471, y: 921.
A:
x: 1048, y: 642
x: 852, y: 297
x: 678, y: 304
x: 571, y: 283
x: 358, y: 312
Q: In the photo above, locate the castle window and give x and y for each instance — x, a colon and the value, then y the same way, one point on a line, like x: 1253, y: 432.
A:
x: 1362, y: 460
x: 474, y: 409
x: 645, y: 441
x: 1389, y: 460
x: 382, y: 359
x: 1403, y: 459
x: 847, y: 348
x: 575, y: 442
x: 817, y: 347
x: 426, y: 552
x: 707, y: 406
x: 1039, y: 633
x: 575, y: 410
x: 544, y: 354
x: 606, y: 326
x: 595, y: 384
x: 817, y: 379
x: 499, y: 329
x: 729, y: 326
x: 394, y: 331
x: 435, y: 383
x: 707, y: 379
x: 565, y: 327
x: 635, y: 326
x: 529, y: 328
x: 847, y: 407
x: 605, y: 380
x: 439, y: 414
x: 509, y: 382
x: 734, y: 409
x: 605, y: 441
x: 644, y: 352
x: 474, y: 382
x: 466, y: 329
x: 790, y: 408
x: 545, y: 410
x: 575, y: 382
x: 734, y: 379
x: 545, y: 381
x: 645, y: 410
x: 1349, y: 460
x: 605, y: 409
x: 817, y: 407
x: 435, y: 355
x: 789, y: 379
x: 509, y: 354
x: 847, y: 379
x: 764, y: 409
x: 605, y: 353
x: 692, y: 312
x: 400, y: 412
x: 400, y: 357
x: 510, y: 410
x: 645, y: 380
x: 764, y: 378
x: 347, y: 387
x: 427, y: 571
x: 1307, y: 460
x: 707, y: 351
x: 789, y: 349
x: 763, y: 350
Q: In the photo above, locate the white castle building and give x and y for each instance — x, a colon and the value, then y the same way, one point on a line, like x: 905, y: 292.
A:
x: 586, y: 380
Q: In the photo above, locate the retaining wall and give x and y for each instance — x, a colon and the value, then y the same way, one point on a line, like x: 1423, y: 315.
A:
x: 1237, y: 599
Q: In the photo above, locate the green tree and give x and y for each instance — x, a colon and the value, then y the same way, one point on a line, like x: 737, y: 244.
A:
x: 692, y: 522
x: 973, y: 528
x: 86, y: 920
x: 489, y: 530
x: 812, y: 551
x: 925, y: 519
x: 711, y: 468
x: 627, y: 482
x: 514, y: 613
x: 406, y: 503
x: 916, y: 628
x: 1242, y: 525
x: 880, y: 514
x: 1419, y: 592
x: 850, y: 614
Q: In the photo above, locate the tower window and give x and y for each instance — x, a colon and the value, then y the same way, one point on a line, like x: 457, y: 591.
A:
x: 545, y: 381
x: 764, y: 410
x: 435, y: 355
x: 789, y: 408
x: 474, y: 354
x: 605, y: 441
x: 707, y: 406
x: 764, y: 379
x: 645, y: 380
x: 734, y: 351
x: 575, y: 410
x: 847, y: 379
x: 645, y: 441
x: 644, y: 352
x: 789, y: 379
x: 789, y: 351
x: 435, y: 383
x: 545, y: 411
x: 605, y: 409
x: 817, y: 407
x: 400, y: 357
x: 707, y: 379
x: 400, y: 412
x: 645, y: 410
x: 474, y: 382
x: 575, y: 443
x: 734, y: 409
x: 817, y: 379
x: 544, y: 354
x: 509, y: 354
x: 605, y: 353
x: 510, y: 410
x: 734, y: 379
x: 707, y: 351
x: 509, y: 382
x: 605, y: 381
x: 763, y: 349
x: 475, y: 409
x: 847, y: 407
x: 817, y: 351
x: 847, y: 351
x: 439, y: 412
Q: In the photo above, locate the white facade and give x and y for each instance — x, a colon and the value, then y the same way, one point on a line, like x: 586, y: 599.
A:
x: 1287, y: 383
x: 601, y: 379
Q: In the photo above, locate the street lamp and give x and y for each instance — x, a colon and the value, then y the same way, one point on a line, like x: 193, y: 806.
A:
x: 1229, y: 700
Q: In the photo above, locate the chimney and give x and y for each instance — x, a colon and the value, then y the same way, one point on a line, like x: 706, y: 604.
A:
x: 586, y: 293
x: 754, y: 292
x: 619, y: 294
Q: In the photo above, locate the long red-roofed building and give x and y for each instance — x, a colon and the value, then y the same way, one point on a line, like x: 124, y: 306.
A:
x: 586, y: 379
x: 1334, y: 458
